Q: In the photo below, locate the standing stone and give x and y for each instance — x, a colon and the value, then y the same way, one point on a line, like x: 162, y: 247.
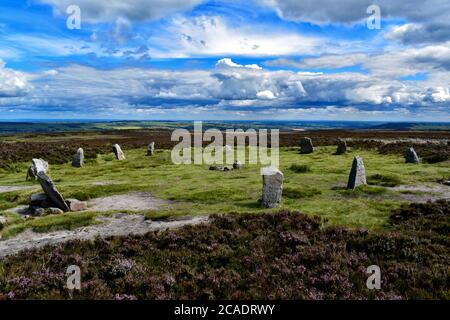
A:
x: 118, y: 152
x: 237, y: 165
x: 52, y: 193
x: 37, y: 165
x: 357, y: 175
x: 272, y: 187
x: 78, y: 158
x: 342, y: 147
x: 306, y: 145
x: 151, y: 149
x: 411, y: 156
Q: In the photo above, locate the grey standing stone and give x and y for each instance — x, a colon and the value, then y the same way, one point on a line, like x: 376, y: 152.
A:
x: 237, y: 165
x: 2, y: 222
x: 306, y: 145
x: 342, y: 147
x: 52, y: 193
x: 357, y: 175
x: 78, y: 158
x: 411, y: 156
x: 37, y: 165
x: 151, y: 149
x: 118, y: 152
x: 272, y: 187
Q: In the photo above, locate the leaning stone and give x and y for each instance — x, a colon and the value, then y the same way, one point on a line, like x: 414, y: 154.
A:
x: 52, y: 193
x: 411, y: 156
x: 306, y: 145
x: 237, y: 165
x: 118, y: 152
x: 76, y: 205
x: 357, y: 175
x: 78, y: 158
x: 151, y: 149
x: 37, y: 165
x: 342, y: 147
x: 272, y: 187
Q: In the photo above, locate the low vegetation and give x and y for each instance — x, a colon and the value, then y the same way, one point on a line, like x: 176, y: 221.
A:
x: 281, y: 255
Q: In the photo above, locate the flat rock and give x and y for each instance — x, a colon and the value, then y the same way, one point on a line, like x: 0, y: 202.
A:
x: 76, y: 205
x: 357, y: 175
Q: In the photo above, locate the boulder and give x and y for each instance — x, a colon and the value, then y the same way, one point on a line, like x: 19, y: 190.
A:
x: 411, y: 156
x: 151, y: 149
x: 76, y: 205
x: 52, y: 193
x: 220, y: 168
x: 36, y: 211
x: 357, y: 175
x: 78, y: 158
x: 118, y: 152
x: 341, y: 147
x: 237, y: 165
x: 54, y: 211
x: 40, y: 200
x: 272, y: 187
x: 306, y: 145
x: 37, y: 165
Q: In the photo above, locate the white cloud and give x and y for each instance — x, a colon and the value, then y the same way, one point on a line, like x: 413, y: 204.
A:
x: 266, y: 95
x: 12, y: 83
x: 134, y: 10
x: 212, y: 35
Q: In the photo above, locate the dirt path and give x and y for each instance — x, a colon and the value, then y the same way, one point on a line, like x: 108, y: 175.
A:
x: 422, y: 193
x: 14, y: 188
x: 135, y: 201
x: 118, y: 225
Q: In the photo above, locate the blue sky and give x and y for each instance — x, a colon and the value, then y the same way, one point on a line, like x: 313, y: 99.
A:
x: 224, y: 60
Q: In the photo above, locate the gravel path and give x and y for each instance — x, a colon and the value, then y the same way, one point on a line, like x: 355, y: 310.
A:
x: 13, y: 188
x: 118, y: 225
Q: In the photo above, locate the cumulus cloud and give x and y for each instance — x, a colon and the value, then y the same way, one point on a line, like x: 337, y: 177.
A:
x: 325, y: 62
x: 12, y: 83
x: 110, y: 10
x: 215, y: 36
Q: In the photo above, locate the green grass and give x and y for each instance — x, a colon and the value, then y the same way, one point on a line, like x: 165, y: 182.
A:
x: 297, y: 168
x: 196, y: 190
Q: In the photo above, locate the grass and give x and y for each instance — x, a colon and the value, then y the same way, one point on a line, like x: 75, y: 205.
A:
x: 196, y: 190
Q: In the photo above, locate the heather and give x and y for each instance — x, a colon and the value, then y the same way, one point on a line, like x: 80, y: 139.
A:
x: 281, y: 255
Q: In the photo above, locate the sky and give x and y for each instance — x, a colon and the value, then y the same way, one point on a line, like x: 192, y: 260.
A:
x: 225, y: 60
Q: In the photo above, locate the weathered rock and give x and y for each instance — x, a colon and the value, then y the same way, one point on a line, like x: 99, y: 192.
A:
x: 36, y: 211
x: 411, y: 156
x: 306, y: 145
x: 54, y: 211
x: 78, y: 158
x: 52, y: 193
x: 37, y: 165
x: 151, y: 149
x: 447, y: 183
x: 2, y: 222
x: 272, y: 187
x: 118, y: 152
x: 76, y: 205
x: 357, y: 175
x: 220, y: 168
x: 237, y: 165
x: 341, y: 147
x: 39, y: 199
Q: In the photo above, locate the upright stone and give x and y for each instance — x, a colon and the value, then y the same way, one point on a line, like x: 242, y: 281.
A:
x: 151, y: 149
x: 341, y: 147
x: 357, y: 175
x: 37, y: 165
x: 237, y: 164
x: 118, y: 152
x: 411, y: 156
x: 306, y: 145
x: 78, y: 158
x: 52, y: 193
x: 272, y: 187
